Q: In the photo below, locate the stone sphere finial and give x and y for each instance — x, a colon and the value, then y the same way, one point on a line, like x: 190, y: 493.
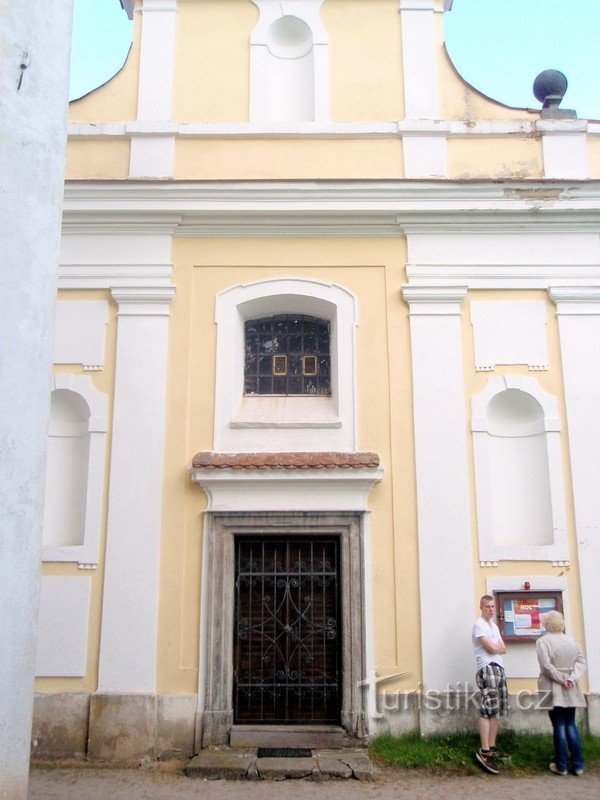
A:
x: 549, y: 87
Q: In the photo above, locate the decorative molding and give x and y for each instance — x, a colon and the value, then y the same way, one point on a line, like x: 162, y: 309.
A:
x: 502, y: 276
x: 434, y: 300
x: 329, y: 208
x: 576, y: 299
x: 451, y: 129
x: 309, y: 489
x: 143, y: 300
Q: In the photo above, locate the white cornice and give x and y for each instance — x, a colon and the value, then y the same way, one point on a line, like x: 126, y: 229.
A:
x: 576, y: 300
x: 331, y: 130
x: 289, y: 490
x: 329, y: 208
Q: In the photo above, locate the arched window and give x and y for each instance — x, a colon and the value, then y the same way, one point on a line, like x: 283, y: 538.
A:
x: 287, y: 354
x: 285, y: 377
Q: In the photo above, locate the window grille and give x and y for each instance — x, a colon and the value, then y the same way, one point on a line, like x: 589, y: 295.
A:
x: 287, y: 354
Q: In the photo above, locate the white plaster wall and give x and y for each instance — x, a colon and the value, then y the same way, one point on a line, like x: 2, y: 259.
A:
x: 79, y: 332
x: 500, y: 248
x: 509, y: 333
x: 63, y: 627
x: 520, y: 491
x: 32, y: 132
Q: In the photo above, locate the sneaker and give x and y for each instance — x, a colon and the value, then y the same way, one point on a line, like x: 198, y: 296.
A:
x: 499, y: 755
x: 578, y: 772
x: 555, y: 770
x: 486, y: 760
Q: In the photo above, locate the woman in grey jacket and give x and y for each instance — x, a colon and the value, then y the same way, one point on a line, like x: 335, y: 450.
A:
x: 562, y: 663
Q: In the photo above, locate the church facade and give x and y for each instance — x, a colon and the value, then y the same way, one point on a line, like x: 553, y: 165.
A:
x: 325, y: 373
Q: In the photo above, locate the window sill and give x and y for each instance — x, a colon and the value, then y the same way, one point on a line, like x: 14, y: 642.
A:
x: 286, y: 412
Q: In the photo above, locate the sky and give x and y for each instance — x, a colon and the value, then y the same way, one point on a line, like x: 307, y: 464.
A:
x: 498, y: 46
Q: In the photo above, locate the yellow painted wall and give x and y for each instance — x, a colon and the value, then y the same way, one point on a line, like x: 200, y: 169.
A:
x: 550, y: 381
x: 212, y: 63
x: 373, y: 270
x: 97, y: 158
x: 497, y: 157
x: 365, y: 55
x: 593, y: 145
x: 103, y: 381
x: 220, y: 159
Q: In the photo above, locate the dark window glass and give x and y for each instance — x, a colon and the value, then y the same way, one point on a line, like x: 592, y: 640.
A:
x: 287, y: 354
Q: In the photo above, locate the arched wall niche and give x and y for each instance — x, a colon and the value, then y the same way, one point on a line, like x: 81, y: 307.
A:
x: 518, y: 472
x: 67, y: 469
x: 75, y: 469
x: 289, y: 63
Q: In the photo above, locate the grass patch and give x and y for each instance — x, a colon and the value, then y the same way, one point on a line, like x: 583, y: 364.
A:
x: 455, y: 752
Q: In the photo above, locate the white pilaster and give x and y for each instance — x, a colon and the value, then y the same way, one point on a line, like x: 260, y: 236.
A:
x: 34, y: 77
x: 424, y: 156
x: 130, y: 603
x: 578, y: 311
x: 152, y: 157
x: 418, y: 59
x: 443, y: 504
x: 564, y: 149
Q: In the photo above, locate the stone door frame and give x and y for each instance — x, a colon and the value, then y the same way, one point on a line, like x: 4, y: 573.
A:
x: 215, y: 712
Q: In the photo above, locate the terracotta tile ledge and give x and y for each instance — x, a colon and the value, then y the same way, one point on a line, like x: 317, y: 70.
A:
x: 327, y: 460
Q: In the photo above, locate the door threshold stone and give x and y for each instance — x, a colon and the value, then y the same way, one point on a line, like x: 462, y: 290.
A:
x: 243, y: 764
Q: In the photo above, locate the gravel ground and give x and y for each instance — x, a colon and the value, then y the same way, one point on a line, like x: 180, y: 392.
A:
x: 89, y: 783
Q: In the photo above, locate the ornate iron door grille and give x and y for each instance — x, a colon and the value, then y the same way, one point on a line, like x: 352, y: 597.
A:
x: 287, y: 631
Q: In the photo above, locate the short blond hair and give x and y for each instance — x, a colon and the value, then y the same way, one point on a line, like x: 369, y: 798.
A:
x: 553, y: 621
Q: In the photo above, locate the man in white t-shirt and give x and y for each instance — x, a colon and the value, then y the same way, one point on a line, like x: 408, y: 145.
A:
x: 491, y: 682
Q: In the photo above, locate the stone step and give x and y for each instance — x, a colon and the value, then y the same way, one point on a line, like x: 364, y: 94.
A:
x: 310, y: 736
x: 323, y: 764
